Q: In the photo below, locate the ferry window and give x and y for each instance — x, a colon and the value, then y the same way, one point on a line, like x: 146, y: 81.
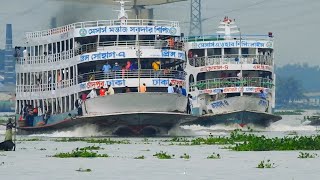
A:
x: 49, y: 48
x: 71, y: 43
x: 231, y: 51
x: 214, y: 52
x: 201, y: 77
x: 58, y: 47
x: 191, y: 82
x: 112, y: 38
x: 36, y: 50
x: 54, y: 48
x: 245, y: 52
x: 147, y: 37
x: 67, y: 45
x: 62, y: 46
x: 127, y: 37
x: 197, y: 52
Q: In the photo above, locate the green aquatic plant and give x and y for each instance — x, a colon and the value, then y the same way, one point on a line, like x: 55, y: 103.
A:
x: 292, y: 133
x: 306, y: 155
x: 80, y: 154
x: 146, y: 150
x: 107, y: 141
x: 83, y: 170
x: 163, y: 155
x: 33, y: 139
x: 266, y: 164
x: 262, y: 143
x: 214, y: 156
x: 280, y: 113
x: 72, y: 139
x: 140, y: 157
x: 91, y: 148
x: 185, y: 156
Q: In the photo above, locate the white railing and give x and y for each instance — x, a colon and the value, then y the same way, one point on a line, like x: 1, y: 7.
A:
x: 216, y: 37
x: 231, y: 59
x: 234, y: 82
x: 50, y: 32
x: 150, y: 44
x: 94, y: 47
x: 144, y: 73
x: 43, y: 59
x: 67, y: 28
x: 45, y: 86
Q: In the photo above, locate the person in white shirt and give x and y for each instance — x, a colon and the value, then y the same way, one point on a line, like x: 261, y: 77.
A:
x: 110, y: 90
x: 25, y: 53
x: 239, y: 75
x: 93, y: 94
x: 170, y: 89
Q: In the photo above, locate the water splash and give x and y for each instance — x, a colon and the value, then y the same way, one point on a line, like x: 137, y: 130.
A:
x: 83, y: 131
x: 179, y: 131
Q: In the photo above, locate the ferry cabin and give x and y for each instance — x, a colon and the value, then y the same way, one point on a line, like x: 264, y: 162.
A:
x: 227, y: 66
x: 62, y: 63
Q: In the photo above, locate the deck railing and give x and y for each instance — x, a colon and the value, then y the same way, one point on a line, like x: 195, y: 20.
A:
x: 87, y: 24
x: 234, y: 82
x: 231, y: 59
x: 94, y: 47
x: 43, y: 59
x: 144, y: 73
x: 35, y: 87
x: 144, y: 44
x: 217, y: 37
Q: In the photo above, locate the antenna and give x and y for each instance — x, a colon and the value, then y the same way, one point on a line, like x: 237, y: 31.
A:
x: 123, y: 16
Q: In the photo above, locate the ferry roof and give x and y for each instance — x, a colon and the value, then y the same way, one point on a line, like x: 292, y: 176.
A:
x: 129, y: 3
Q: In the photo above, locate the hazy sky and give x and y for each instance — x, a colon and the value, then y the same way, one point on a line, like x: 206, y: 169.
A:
x: 293, y: 22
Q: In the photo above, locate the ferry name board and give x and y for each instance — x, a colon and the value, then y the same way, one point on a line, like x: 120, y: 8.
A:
x: 234, y: 90
x: 127, y: 30
x: 232, y: 44
x: 133, y: 82
x: 232, y: 67
x: 131, y: 53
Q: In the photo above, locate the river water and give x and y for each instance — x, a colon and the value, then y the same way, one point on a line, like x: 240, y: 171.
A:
x: 29, y: 162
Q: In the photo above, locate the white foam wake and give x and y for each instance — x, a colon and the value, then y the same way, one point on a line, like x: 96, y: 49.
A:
x: 83, y: 131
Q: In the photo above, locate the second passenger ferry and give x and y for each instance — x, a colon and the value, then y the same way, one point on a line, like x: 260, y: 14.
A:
x: 231, y: 76
x: 112, y: 73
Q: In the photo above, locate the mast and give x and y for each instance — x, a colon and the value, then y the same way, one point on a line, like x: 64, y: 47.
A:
x: 138, y: 53
x: 240, y: 60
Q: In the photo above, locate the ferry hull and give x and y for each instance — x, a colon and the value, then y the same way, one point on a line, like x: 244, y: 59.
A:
x: 240, y: 110
x: 128, y: 114
x: 238, y: 117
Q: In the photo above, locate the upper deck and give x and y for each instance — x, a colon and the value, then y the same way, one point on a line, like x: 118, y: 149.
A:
x: 109, y: 27
x: 234, y: 41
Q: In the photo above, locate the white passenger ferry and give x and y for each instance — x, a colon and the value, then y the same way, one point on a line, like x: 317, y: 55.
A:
x: 61, y: 65
x: 231, y: 76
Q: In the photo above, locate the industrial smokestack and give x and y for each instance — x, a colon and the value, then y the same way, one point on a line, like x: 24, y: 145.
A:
x: 9, y: 64
x: 53, y: 23
x: 9, y: 37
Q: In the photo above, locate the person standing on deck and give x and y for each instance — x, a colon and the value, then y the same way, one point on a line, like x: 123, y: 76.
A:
x: 102, y: 91
x: 116, y: 70
x: 9, y: 126
x: 183, y: 91
x: 143, y: 88
x: 156, y: 68
x: 106, y: 69
x: 170, y: 89
x: 110, y: 90
x: 93, y: 94
x: 78, y: 105
x: 189, y: 104
x: 25, y: 54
